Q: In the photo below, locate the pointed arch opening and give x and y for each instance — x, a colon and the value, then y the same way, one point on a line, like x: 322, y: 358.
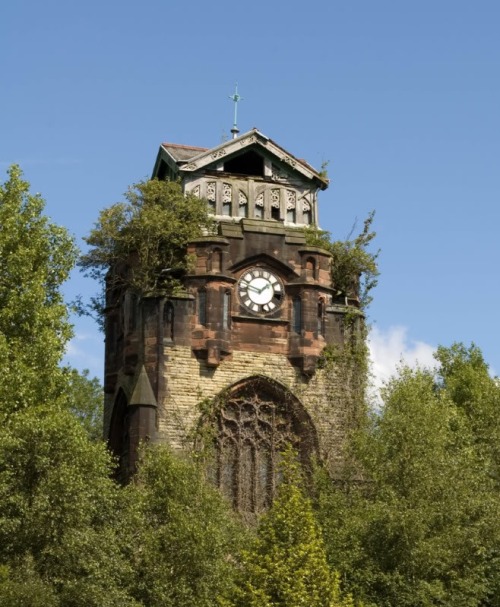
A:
x: 119, y: 438
x: 252, y: 425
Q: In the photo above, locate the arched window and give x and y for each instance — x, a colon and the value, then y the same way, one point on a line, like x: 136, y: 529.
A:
x: 202, y: 307
x: 226, y: 310
x: 297, y: 315
x: 255, y: 423
x: 259, y: 206
x: 131, y: 309
x: 310, y: 268
x: 211, y: 196
x: 291, y: 204
x: 227, y: 197
x: 118, y: 437
x: 321, y: 317
x: 306, y: 213
x: 216, y: 259
x: 168, y: 320
x: 275, y: 204
x: 242, y: 205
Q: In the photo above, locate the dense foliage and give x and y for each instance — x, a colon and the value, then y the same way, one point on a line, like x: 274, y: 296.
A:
x: 186, y: 535
x: 144, y: 239
x: 36, y: 258
x: 70, y: 533
x: 354, y: 267
x: 422, y: 527
x: 287, y: 566
x: 416, y: 526
x: 60, y: 511
x: 84, y: 397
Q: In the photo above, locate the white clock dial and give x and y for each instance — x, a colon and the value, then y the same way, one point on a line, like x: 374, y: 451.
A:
x: 260, y: 290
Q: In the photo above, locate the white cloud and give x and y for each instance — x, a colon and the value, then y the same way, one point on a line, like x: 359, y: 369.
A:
x: 85, y: 351
x: 390, y: 348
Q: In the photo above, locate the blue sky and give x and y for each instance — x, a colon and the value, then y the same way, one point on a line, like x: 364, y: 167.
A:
x: 401, y: 98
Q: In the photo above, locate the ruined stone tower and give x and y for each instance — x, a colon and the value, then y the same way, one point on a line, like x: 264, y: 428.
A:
x: 247, y: 331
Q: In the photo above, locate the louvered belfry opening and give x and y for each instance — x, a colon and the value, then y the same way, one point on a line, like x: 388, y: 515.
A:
x: 256, y: 421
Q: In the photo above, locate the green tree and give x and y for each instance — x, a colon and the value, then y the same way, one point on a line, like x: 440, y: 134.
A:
x: 37, y: 257
x: 421, y: 529
x: 143, y: 240
x: 23, y: 586
x: 84, y: 397
x: 185, y: 534
x: 61, y: 513
x: 464, y: 376
x: 287, y: 565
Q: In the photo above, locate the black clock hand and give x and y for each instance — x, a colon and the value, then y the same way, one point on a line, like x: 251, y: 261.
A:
x: 251, y: 288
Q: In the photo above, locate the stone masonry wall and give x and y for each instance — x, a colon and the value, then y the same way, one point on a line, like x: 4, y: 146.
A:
x: 189, y: 381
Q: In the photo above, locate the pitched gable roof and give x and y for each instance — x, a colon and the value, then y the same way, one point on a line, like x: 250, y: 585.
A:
x: 189, y: 158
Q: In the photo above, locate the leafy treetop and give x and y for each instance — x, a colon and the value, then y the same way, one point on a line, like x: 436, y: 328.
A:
x: 143, y: 240
x: 354, y: 267
x: 287, y: 566
x: 37, y: 256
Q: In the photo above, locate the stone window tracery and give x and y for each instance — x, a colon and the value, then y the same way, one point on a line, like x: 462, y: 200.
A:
x: 227, y: 196
x: 253, y: 427
x: 242, y: 204
x: 306, y: 212
x: 275, y: 199
x: 259, y: 206
x: 275, y: 204
x: 291, y: 203
x: 212, y: 196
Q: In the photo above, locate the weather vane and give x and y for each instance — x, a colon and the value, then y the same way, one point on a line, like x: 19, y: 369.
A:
x: 235, y: 97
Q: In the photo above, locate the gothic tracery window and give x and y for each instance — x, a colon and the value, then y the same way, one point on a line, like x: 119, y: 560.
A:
x: 253, y: 427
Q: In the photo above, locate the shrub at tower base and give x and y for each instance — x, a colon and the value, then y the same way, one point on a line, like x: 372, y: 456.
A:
x: 287, y: 565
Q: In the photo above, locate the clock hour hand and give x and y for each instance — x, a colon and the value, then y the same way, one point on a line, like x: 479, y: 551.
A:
x: 249, y: 287
x: 267, y: 285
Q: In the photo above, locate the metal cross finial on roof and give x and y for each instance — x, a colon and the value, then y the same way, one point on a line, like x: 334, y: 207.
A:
x: 235, y: 97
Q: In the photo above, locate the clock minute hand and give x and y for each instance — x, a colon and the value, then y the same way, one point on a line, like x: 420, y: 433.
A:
x: 266, y: 286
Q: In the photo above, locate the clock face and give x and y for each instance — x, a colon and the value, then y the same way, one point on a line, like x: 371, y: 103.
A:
x: 260, y: 291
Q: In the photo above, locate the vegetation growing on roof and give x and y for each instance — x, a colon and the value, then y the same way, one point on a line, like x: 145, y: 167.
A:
x: 354, y: 267
x: 143, y: 240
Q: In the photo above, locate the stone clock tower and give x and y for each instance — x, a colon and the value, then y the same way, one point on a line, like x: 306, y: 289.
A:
x: 246, y: 334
